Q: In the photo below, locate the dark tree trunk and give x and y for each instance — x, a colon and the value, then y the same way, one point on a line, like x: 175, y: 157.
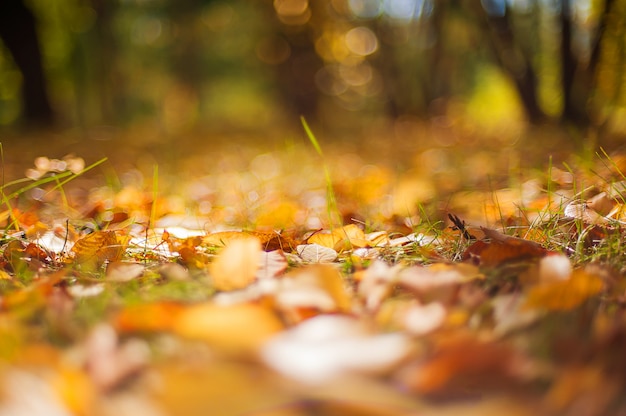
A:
x: 18, y: 31
x: 511, y: 59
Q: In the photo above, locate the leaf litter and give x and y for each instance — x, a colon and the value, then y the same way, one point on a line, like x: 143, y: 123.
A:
x: 133, y: 306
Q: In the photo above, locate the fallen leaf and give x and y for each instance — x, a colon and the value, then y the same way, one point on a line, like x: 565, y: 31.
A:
x: 554, y: 268
x: 502, y: 248
x: 563, y: 295
x: 123, y: 272
x: 316, y: 253
x: 149, y: 317
x: 465, y: 366
x: 237, y: 264
x: 422, y: 319
x: 272, y: 264
x: 327, y: 346
x: 235, y: 328
x: 314, y: 289
x: 439, y: 281
x: 340, y: 239
x: 98, y: 247
x: 110, y: 362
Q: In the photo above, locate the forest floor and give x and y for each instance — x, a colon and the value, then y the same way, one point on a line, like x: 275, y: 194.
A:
x: 416, y: 270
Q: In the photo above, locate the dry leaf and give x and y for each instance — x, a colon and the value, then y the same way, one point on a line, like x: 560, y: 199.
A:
x: 502, y: 248
x: 324, y: 239
x: 233, y: 328
x: 316, y: 253
x: 439, y: 281
x: 581, y: 211
x: 563, y: 295
x: 344, y: 238
x: 236, y: 266
x: 315, y: 288
x: 510, y: 314
x: 269, y: 241
x: 96, y: 248
x: 150, y: 317
x: 123, y: 272
x: 465, y: 366
x: 222, y: 238
x: 376, y: 284
x: 422, y: 319
x: 273, y: 264
x: 328, y: 346
x: 555, y: 267
x: 108, y: 362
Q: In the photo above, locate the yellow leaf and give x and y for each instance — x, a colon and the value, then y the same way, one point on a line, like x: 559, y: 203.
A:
x: 322, y: 238
x: 148, y: 317
x: 234, y: 328
x: 236, y: 266
x: 222, y: 238
x: 564, y: 295
x: 100, y: 246
x: 350, y: 236
x: 330, y: 280
x: 340, y: 239
x: 74, y: 389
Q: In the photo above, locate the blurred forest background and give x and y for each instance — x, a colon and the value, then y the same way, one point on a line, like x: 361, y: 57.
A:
x: 352, y: 67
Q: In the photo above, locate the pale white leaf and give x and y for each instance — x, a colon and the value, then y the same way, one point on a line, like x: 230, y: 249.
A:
x: 422, y: 319
x: 123, y: 272
x: 315, y: 253
x: 327, y: 346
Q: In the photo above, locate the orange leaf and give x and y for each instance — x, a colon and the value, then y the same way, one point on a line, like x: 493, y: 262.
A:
x: 236, y: 266
x: 236, y: 328
x: 323, y: 238
x: 150, y: 317
x: 222, y: 238
x: 564, y: 295
x: 463, y: 363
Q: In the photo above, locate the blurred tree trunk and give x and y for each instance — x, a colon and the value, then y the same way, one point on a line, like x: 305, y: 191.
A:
x: 578, y: 75
x: 186, y: 53
x: 511, y: 58
x: 104, y: 53
x: 18, y: 31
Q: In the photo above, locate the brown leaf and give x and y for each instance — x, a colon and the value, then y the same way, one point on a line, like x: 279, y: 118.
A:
x: 464, y: 366
x: 502, y: 248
